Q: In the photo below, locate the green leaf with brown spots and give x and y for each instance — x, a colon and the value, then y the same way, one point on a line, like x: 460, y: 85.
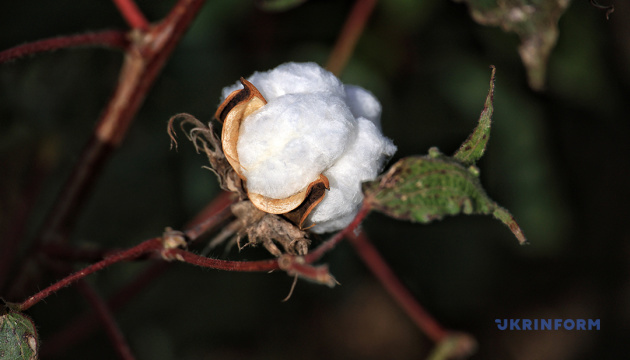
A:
x: 473, y: 148
x: 534, y: 21
x: 427, y: 188
x: 18, y: 336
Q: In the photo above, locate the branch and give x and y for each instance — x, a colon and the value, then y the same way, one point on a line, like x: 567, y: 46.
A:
x: 133, y: 253
x: 144, y: 59
x: 132, y: 14
x: 102, y: 310
x: 109, y: 38
x: 349, y: 36
x: 396, y: 289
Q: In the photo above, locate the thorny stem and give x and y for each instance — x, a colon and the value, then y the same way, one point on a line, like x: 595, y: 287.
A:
x: 397, y: 290
x: 135, y: 252
x: 132, y: 14
x: 144, y: 59
x: 349, y: 36
x: 109, y: 38
x: 105, y: 315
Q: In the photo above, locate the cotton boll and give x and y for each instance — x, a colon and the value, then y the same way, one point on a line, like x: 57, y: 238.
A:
x: 364, y: 104
x: 292, y: 78
x: 289, y: 142
x: 362, y: 162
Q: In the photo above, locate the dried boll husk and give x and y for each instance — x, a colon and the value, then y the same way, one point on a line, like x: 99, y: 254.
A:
x: 232, y: 112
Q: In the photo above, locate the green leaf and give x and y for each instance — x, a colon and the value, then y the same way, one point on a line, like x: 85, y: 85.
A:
x: 18, y: 337
x: 427, y: 188
x: 279, y: 5
x: 473, y: 148
x: 535, y: 22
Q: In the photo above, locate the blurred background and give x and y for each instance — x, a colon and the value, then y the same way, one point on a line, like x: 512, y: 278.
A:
x: 557, y: 159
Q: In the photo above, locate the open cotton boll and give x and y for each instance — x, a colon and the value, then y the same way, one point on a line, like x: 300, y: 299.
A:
x: 312, y: 124
x: 292, y: 78
x: 286, y: 144
x: 362, y: 162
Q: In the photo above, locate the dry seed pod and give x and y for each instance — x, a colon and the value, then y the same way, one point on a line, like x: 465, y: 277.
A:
x: 236, y: 107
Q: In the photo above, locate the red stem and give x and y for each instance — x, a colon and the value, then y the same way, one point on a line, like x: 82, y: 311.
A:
x: 132, y: 14
x: 194, y: 259
x: 396, y: 289
x: 349, y: 36
x: 145, y: 58
x: 105, y: 315
x: 109, y: 38
x: 201, y: 227
x: 136, y: 251
x: 333, y: 241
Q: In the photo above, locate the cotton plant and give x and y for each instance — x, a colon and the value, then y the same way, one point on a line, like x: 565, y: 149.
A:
x: 304, y: 151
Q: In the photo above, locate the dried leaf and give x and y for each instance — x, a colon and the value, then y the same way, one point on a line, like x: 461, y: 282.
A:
x: 473, y: 148
x: 535, y: 22
x: 18, y: 337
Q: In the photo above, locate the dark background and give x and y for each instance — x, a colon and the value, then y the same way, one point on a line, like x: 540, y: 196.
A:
x: 557, y: 159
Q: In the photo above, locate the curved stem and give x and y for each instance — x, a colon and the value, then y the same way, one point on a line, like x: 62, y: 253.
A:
x: 396, y: 289
x: 109, y: 38
x: 132, y: 14
x: 135, y: 252
x: 349, y: 36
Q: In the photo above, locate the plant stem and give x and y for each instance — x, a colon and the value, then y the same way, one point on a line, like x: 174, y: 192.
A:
x: 105, y: 315
x: 333, y: 241
x: 396, y: 289
x: 144, y: 59
x: 109, y: 38
x: 349, y: 36
x: 132, y: 14
x: 135, y: 252
x: 194, y: 232
x: 194, y: 259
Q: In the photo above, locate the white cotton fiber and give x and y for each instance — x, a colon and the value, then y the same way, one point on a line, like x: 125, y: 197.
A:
x: 312, y: 124
x: 285, y: 145
x: 362, y: 162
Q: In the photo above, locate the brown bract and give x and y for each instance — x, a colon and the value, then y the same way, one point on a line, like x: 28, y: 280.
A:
x: 232, y: 112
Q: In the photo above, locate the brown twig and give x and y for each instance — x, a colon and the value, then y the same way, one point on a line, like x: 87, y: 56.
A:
x: 109, y: 38
x: 132, y: 14
x: 349, y: 36
x: 396, y: 289
x: 109, y: 323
